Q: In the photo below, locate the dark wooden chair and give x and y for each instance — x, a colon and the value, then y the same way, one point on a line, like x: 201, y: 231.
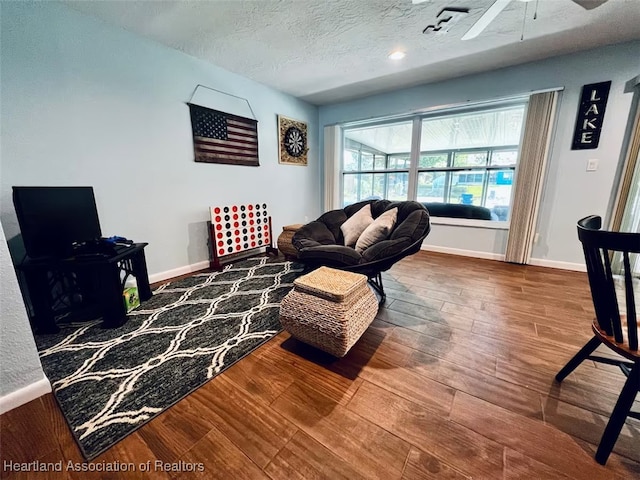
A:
x: 617, y: 331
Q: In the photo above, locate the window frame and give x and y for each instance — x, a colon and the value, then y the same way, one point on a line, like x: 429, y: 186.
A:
x: 485, y: 169
x: 414, y: 155
x: 349, y: 146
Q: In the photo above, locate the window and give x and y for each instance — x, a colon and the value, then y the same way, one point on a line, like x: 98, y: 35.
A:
x: 482, y: 178
x: 376, y: 163
x: 465, y: 158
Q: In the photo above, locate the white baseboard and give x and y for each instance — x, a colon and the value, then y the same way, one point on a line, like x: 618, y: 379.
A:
x: 541, y: 262
x: 464, y: 253
x: 176, y: 272
x: 24, y: 395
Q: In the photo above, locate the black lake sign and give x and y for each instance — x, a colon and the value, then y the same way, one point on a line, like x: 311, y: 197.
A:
x: 593, y: 103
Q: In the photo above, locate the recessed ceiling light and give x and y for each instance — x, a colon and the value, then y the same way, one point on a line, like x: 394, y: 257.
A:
x: 397, y: 55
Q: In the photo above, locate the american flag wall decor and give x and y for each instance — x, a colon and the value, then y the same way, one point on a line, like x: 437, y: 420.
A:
x: 220, y: 137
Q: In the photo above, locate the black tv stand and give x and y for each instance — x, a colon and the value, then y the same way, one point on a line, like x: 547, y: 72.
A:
x: 88, y: 281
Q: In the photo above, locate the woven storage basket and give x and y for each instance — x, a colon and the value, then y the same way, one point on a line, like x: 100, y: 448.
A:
x: 284, y: 240
x: 329, y: 283
x: 331, y: 320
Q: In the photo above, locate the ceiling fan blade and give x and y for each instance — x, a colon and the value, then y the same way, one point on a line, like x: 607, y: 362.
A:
x: 484, y: 21
x: 589, y: 4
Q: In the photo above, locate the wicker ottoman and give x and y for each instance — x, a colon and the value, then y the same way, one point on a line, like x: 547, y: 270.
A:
x: 329, y: 309
x: 284, y: 240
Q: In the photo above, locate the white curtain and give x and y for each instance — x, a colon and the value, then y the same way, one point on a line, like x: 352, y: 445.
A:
x: 332, y: 159
x: 530, y: 174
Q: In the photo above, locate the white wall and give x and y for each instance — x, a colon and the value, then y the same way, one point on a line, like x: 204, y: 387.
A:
x: 486, y: 240
x: 570, y: 192
x: 19, y: 362
x: 84, y: 103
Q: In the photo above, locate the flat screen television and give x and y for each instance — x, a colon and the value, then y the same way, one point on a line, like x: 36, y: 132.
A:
x: 53, y: 218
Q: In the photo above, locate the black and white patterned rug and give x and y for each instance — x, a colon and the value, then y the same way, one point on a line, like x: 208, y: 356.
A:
x: 108, y: 383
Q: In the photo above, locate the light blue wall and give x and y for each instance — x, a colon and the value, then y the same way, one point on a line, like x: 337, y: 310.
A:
x: 570, y: 192
x: 85, y: 103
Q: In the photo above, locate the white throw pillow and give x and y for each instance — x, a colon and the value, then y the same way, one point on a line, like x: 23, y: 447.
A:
x: 356, y: 224
x: 378, y: 230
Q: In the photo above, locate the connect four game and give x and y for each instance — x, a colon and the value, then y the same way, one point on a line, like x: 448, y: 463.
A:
x: 238, y: 228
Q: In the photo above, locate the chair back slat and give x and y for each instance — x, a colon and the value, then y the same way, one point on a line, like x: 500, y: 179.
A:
x: 598, y: 285
x: 613, y: 311
x: 599, y: 246
x: 630, y: 302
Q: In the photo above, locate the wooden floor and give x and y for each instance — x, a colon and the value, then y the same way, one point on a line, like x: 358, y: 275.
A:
x: 453, y: 380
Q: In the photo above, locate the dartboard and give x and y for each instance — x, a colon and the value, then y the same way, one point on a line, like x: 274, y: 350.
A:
x: 294, y: 142
x: 240, y: 227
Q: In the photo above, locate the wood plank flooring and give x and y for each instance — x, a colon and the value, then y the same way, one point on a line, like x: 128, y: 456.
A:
x: 453, y: 380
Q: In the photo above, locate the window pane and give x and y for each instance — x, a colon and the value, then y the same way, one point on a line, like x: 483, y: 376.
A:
x: 431, y: 186
x: 377, y: 148
x: 504, y: 157
x: 359, y: 186
x: 350, y: 160
x: 379, y: 186
x: 366, y: 161
x: 379, y: 162
x: 390, y: 138
x: 350, y: 186
x: 399, y: 162
x: 397, y: 186
x: 466, y: 188
x: 438, y: 160
x: 499, y: 193
x: 469, y: 159
x: 498, y: 127
x: 366, y: 185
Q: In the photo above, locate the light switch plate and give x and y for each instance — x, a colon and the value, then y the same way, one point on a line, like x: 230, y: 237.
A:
x: 592, y: 165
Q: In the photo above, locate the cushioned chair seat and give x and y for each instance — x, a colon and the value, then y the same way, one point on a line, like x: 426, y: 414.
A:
x: 458, y: 210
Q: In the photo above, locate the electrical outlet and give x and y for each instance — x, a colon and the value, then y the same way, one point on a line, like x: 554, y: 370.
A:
x: 592, y: 165
x: 536, y: 237
x: 306, y: 219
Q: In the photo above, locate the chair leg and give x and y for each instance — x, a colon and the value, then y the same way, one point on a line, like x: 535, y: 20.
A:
x: 376, y: 283
x: 578, y: 358
x: 618, y: 416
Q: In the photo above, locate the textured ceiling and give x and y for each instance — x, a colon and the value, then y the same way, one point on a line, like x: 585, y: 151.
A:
x: 326, y: 51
